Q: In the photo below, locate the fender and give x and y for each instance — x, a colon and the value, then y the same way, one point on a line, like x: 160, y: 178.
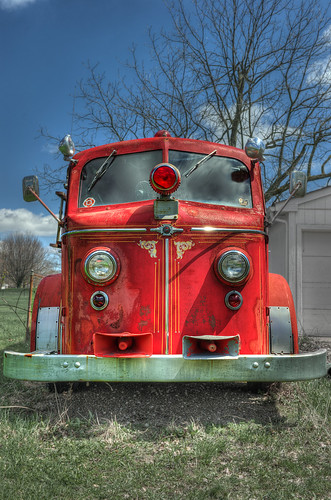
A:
x: 280, y: 295
x: 48, y: 294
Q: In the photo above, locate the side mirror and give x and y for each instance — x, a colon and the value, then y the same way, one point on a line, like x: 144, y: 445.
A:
x: 298, y: 183
x: 255, y: 148
x: 67, y: 147
x: 31, y: 181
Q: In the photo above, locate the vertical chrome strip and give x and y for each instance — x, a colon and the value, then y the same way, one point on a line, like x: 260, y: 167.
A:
x: 166, y: 312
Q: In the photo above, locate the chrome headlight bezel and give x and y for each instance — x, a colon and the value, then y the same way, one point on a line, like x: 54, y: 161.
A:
x: 110, y: 261
x: 233, y: 266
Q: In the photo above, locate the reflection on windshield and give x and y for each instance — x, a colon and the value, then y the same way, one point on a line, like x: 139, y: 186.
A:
x: 126, y: 180
x: 219, y: 181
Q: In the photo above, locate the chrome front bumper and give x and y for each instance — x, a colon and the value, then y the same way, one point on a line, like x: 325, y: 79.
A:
x: 46, y: 367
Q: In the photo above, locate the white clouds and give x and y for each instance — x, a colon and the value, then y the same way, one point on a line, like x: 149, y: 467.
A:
x: 24, y: 221
x: 327, y: 35
x: 50, y: 148
x: 320, y: 71
x: 255, y: 121
x: 14, y: 4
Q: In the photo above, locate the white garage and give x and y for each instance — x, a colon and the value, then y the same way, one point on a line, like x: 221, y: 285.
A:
x: 300, y: 250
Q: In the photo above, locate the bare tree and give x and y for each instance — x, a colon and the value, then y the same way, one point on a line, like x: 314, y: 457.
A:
x: 228, y: 70
x: 20, y: 254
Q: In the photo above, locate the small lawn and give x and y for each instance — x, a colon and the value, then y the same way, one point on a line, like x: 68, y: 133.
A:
x: 50, y: 449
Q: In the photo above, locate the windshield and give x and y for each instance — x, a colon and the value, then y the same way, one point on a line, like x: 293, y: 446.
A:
x: 217, y: 180
x: 125, y: 180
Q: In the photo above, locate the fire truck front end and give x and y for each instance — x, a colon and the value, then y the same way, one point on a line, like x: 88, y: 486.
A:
x: 164, y: 273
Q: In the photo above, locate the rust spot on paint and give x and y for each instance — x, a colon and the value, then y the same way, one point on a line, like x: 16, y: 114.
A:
x: 142, y: 324
x: 144, y: 311
x: 212, y: 321
x: 116, y: 324
x: 77, y: 265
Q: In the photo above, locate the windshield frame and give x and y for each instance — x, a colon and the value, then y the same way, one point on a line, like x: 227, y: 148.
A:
x: 195, y: 174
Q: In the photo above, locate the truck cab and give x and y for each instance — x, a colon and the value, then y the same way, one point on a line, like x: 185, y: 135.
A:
x: 164, y: 273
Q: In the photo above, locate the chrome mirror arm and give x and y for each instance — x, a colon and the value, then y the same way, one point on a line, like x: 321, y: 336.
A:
x: 60, y: 222
x: 296, y: 188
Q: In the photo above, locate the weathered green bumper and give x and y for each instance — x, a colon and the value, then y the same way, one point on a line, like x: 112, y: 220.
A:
x: 171, y: 368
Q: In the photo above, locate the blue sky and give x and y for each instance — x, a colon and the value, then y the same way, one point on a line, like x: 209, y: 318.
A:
x: 45, y: 45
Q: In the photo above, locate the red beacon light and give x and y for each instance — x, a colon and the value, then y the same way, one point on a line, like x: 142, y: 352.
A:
x: 162, y: 133
x: 165, y: 178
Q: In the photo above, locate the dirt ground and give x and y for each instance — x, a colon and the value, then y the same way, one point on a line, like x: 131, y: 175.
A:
x: 156, y: 405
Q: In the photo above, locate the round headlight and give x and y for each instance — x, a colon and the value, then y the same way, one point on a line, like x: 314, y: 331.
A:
x: 233, y: 266
x: 101, y: 266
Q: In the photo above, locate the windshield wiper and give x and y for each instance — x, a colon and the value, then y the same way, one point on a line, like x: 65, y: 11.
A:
x: 197, y: 165
x: 102, y: 170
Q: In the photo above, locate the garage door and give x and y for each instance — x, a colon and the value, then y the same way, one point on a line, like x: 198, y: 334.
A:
x: 316, y: 282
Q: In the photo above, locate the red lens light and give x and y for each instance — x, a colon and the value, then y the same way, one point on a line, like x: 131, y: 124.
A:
x: 165, y: 178
x: 99, y: 301
x: 234, y: 300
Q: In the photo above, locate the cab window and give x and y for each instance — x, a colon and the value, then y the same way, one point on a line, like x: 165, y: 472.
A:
x: 218, y: 180
x: 125, y: 179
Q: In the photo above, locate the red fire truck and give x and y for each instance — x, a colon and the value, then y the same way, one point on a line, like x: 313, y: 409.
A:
x: 164, y: 272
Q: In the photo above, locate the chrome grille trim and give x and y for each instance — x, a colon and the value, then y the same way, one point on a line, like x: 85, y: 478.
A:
x: 112, y: 230
x: 208, y: 229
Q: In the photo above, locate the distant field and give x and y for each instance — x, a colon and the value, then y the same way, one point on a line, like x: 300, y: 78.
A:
x: 13, y: 314
x: 158, y: 441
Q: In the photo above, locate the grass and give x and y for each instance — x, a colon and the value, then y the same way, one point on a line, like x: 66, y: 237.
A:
x: 63, y: 458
